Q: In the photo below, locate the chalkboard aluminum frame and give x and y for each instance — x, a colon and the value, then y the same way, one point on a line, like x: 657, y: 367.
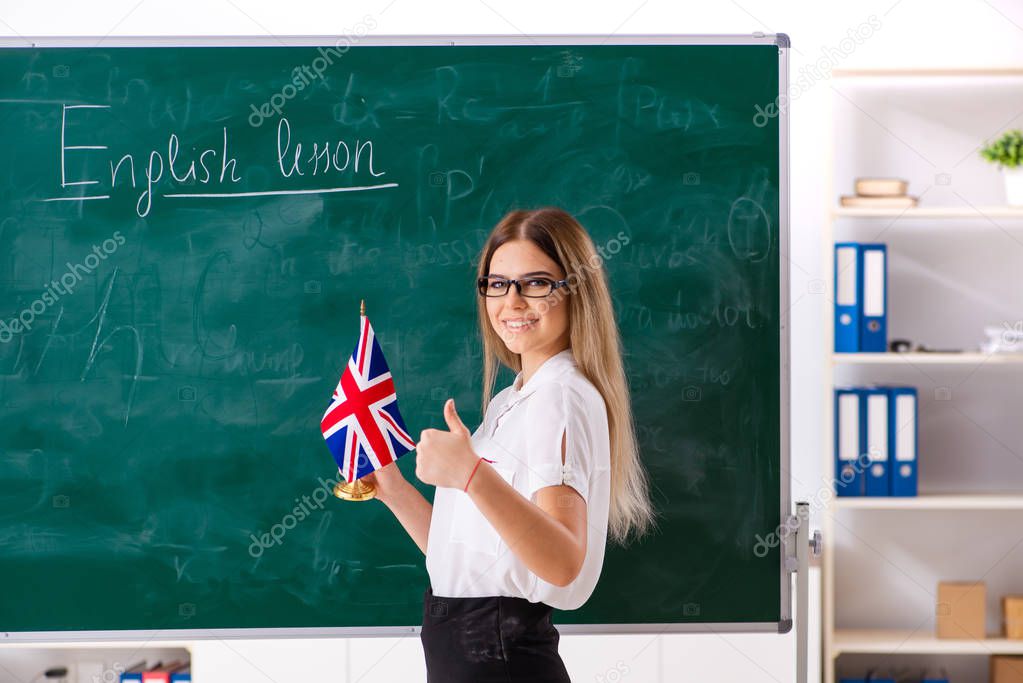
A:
x: 780, y: 40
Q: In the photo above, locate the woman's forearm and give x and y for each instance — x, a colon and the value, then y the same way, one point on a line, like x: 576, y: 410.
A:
x: 413, y: 512
x: 544, y: 544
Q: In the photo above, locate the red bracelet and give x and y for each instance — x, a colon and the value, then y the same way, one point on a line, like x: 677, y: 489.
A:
x: 481, y: 459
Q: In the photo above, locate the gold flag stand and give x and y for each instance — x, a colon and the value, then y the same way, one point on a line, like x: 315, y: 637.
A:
x: 358, y: 489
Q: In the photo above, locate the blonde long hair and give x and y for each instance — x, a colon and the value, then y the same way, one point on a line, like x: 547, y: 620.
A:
x: 596, y: 345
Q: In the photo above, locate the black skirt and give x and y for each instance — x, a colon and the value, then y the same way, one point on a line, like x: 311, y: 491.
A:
x: 490, y: 640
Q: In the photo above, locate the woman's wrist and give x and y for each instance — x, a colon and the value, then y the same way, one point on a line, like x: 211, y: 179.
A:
x: 395, y: 493
x: 477, y: 464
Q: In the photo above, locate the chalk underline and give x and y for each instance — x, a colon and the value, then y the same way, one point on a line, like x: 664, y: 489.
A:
x: 75, y: 199
x: 326, y: 190
x: 280, y: 192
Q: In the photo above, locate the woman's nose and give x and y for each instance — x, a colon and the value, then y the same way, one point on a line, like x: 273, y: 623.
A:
x: 515, y: 299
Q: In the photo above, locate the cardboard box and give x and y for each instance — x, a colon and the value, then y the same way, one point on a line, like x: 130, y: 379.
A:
x: 1012, y: 616
x: 961, y: 609
x: 1006, y: 669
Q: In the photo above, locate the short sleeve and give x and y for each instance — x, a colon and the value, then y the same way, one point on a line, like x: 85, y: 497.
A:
x: 553, y: 412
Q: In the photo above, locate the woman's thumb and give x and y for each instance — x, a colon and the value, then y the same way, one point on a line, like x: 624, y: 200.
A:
x: 451, y: 417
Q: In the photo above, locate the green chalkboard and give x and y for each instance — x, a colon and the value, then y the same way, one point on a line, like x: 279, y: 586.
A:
x: 186, y: 233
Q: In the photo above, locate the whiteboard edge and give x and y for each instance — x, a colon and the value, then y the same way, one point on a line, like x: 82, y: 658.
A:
x: 758, y: 38
x: 183, y: 636
x: 784, y: 323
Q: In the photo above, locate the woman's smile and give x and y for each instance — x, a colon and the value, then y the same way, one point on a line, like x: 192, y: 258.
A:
x: 518, y: 325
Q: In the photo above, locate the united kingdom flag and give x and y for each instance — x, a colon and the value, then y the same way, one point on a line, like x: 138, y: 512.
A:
x: 362, y: 426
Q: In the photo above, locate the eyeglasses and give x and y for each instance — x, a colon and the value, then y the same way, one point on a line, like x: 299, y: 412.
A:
x: 534, y: 287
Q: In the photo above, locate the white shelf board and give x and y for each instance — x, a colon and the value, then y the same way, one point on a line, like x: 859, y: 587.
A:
x: 931, y: 212
x: 927, y: 358
x: 919, y: 642
x: 935, y: 501
x: 930, y: 72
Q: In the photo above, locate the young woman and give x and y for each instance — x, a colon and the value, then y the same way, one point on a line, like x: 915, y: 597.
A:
x: 524, y: 505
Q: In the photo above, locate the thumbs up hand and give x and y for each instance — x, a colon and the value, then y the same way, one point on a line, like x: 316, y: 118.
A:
x: 446, y: 458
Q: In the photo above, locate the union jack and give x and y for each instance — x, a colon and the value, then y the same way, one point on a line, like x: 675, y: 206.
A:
x: 362, y: 426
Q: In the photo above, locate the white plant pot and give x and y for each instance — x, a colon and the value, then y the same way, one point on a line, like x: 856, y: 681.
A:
x: 1013, y: 185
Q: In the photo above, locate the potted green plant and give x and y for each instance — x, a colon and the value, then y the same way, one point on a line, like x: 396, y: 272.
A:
x: 1007, y: 152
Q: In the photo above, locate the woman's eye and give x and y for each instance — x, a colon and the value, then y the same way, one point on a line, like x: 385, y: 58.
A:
x: 497, y: 284
x: 537, y: 283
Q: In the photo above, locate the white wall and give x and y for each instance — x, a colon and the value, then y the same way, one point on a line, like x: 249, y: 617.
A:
x: 908, y: 33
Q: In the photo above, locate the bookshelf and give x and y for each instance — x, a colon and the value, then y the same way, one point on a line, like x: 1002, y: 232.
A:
x: 962, y: 214
x: 99, y: 661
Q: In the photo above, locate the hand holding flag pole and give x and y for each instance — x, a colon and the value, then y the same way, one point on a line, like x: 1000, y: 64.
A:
x: 362, y: 426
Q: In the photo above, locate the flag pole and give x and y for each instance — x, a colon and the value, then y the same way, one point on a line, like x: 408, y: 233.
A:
x: 358, y: 489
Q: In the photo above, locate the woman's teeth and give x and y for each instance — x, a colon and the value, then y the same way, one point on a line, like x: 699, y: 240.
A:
x: 519, y: 326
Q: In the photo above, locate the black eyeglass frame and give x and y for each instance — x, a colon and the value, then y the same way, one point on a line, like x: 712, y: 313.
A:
x: 555, y: 285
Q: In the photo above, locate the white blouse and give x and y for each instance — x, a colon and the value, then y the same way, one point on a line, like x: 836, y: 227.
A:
x: 522, y: 432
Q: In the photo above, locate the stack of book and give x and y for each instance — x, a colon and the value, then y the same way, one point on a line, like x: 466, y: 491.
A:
x: 880, y: 193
